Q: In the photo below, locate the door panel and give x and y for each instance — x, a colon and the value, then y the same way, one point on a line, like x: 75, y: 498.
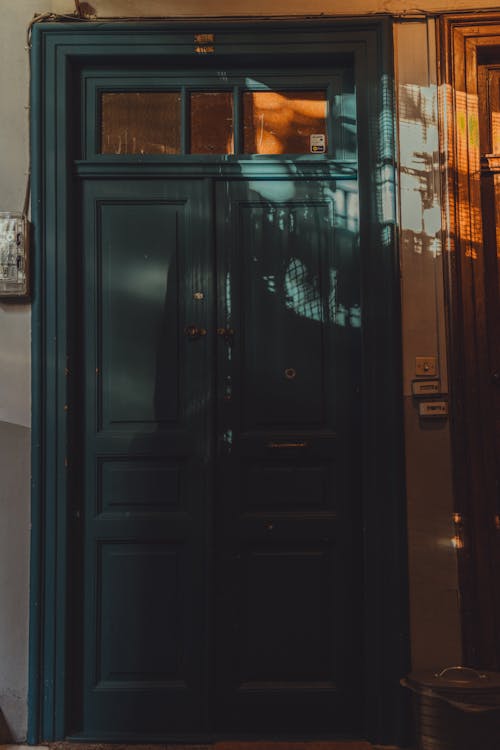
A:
x: 287, y: 501
x: 282, y: 303
x: 139, y: 299
x: 146, y: 406
x: 282, y: 362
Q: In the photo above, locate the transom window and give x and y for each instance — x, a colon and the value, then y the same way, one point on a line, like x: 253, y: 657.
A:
x: 214, y: 122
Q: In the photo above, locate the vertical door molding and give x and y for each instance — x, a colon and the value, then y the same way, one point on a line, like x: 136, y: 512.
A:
x: 463, y: 40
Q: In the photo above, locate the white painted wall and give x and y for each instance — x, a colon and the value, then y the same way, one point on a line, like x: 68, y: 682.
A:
x: 14, y: 385
x: 432, y: 563
x: 14, y: 164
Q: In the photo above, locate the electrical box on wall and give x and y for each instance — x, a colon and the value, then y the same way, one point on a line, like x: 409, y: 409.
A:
x: 14, y: 255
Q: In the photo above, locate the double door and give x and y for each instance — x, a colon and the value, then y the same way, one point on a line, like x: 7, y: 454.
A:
x: 219, y: 543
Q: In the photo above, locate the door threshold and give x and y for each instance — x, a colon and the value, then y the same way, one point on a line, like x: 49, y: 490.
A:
x: 348, y: 745
x: 236, y: 744
x: 243, y: 744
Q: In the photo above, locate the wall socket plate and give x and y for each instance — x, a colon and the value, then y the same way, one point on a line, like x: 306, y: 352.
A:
x: 426, y: 366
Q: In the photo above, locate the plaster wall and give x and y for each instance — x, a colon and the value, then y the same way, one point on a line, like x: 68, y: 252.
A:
x: 434, y: 598
x: 15, y: 405
x: 200, y: 8
x: 434, y: 614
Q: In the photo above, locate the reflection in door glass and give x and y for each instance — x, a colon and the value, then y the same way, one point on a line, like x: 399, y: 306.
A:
x: 284, y: 122
x: 212, y: 122
x: 141, y: 122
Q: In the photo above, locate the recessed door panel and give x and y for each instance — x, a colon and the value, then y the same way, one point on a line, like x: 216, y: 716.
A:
x: 283, y: 485
x: 139, y: 486
x: 285, y: 609
x: 140, y: 634
x: 282, y: 309
x: 138, y: 297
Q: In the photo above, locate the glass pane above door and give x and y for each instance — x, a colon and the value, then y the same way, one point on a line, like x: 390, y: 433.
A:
x: 284, y: 122
x: 211, y: 117
x: 214, y: 122
x: 141, y: 122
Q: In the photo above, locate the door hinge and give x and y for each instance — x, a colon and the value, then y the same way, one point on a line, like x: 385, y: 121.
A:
x: 496, y: 518
x: 458, y: 527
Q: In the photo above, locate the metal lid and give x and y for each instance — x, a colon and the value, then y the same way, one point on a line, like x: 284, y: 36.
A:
x: 453, y: 679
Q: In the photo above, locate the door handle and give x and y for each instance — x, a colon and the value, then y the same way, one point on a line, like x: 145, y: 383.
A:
x: 227, y: 334
x: 295, y: 444
x: 193, y: 332
x: 495, y: 378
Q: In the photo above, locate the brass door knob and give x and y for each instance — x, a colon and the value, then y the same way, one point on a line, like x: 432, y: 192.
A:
x: 227, y: 334
x: 193, y: 332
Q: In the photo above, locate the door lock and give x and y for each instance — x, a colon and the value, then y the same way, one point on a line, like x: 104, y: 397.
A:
x: 193, y: 332
x: 227, y: 334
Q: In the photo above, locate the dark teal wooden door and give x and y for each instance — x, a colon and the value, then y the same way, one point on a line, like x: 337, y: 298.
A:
x: 287, y: 534
x: 146, y: 411
x: 221, y: 520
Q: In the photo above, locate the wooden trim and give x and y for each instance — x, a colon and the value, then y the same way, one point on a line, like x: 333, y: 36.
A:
x: 462, y: 38
x: 37, y: 417
x: 490, y: 163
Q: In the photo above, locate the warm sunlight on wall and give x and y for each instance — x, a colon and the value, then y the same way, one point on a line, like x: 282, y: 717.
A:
x: 204, y: 8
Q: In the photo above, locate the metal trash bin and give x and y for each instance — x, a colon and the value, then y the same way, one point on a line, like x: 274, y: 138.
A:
x: 456, y: 709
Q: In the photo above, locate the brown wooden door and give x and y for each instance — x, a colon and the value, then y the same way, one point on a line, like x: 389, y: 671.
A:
x: 488, y: 309
x: 470, y: 145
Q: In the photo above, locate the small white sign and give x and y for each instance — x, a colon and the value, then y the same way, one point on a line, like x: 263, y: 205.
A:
x: 425, y: 387
x: 317, y: 143
x: 433, y: 409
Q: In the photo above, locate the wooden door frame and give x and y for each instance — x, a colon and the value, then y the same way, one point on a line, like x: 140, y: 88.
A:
x: 463, y: 39
x: 57, y: 50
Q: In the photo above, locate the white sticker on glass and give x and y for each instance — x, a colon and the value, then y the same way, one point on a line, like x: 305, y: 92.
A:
x: 317, y: 143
